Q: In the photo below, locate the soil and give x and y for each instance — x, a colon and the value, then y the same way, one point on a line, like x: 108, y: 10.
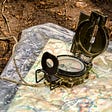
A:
x: 22, y: 14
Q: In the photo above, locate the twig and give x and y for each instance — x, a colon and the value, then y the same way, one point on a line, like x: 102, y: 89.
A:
x: 8, y: 27
x: 6, y: 22
x: 4, y: 2
x: 5, y: 38
x: 4, y: 17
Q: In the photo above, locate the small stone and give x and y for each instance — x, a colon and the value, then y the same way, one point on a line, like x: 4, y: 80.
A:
x: 42, y: 3
x: 59, y: 13
x: 81, y: 4
x: 74, y: 26
x: 17, y: 16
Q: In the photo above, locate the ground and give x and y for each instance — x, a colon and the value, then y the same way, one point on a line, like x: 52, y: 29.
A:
x: 21, y: 14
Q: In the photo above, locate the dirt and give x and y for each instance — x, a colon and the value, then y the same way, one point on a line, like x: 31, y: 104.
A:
x: 22, y: 14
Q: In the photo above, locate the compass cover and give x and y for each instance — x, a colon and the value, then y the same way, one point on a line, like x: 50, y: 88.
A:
x: 91, y: 37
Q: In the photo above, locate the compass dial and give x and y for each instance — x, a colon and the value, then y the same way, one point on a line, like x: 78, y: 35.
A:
x: 70, y: 64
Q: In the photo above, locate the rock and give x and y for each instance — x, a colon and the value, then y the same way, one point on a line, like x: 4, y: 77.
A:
x: 81, y: 4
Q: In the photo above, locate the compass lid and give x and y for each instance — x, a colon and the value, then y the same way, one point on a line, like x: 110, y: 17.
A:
x: 91, y: 37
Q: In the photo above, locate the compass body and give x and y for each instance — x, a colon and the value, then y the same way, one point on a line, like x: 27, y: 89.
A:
x: 90, y: 40
x: 71, y: 70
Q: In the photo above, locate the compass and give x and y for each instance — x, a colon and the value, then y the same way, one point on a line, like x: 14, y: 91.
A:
x: 90, y: 40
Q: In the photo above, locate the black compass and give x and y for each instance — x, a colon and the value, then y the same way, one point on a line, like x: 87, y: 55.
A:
x: 90, y: 40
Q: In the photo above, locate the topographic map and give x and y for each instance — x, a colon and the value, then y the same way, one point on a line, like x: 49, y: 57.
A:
x: 94, y: 95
